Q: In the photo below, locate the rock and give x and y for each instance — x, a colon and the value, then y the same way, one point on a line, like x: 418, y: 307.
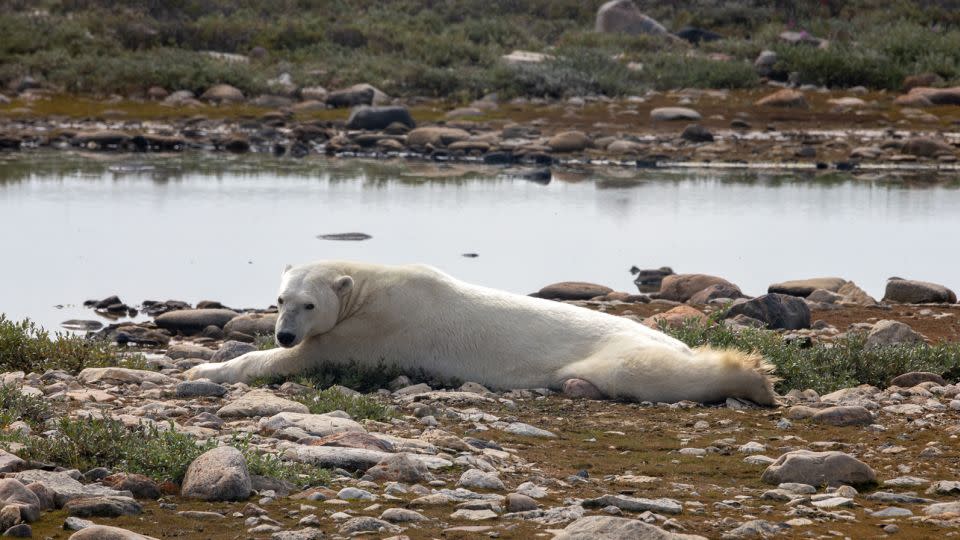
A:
x: 926, y: 147
x: 318, y: 425
x: 116, y: 375
x: 10, y: 463
x: 103, y: 532
x: 569, y: 141
x: 852, y: 294
x: 756, y: 528
x: 222, y: 93
x: 12, y: 492
x: 352, y: 459
x: 399, y: 468
x: 260, y: 403
x: 252, y: 324
x: 65, y: 488
x: 713, y: 292
x: 412, y: 390
x: 617, y: 528
x: 219, y: 474
x: 139, y: 485
x: 696, y: 35
x: 670, y: 114
x: 101, y: 138
x: 634, y: 504
x: 823, y: 296
x: 353, y: 439
x: 622, y: 147
x: 572, y: 290
x: 819, y: 468
x: 678, y: 316
x: 355, y: 494
x: 301, y: 534
x: 194, y: 321
x: 937, y: 96
x: 377, y: 118
x: 367, y: 524
x: 192, y: 389
x: 402, y: 515
x: 921, y: 80
x: 784, y: 98
x: 942, y: 508
x: 843, y: 416
x: 804, y: 287
x: 776, y: 310
x: 22, y: 530
x: 474, y: 515
x: 623, y: 16
x: 186, y: 350
x: 518, y: 502
x: 519, y: 428
x: 903, y: 291
x: 231, y: 349
x: 477, y: 479
x: 681, y: 287
x: 887, y: 333
x: 518, y: 57
x: 913, y: 378
x: 765, y: 62
x: 696, y: 133
x: 435, y: 136
x: 103, y: 507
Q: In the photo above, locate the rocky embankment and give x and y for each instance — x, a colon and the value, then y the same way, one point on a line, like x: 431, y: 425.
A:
x: 466, y: 461
x: 797, y: 128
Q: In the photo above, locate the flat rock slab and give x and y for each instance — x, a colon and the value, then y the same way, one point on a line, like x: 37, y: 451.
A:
x: 194, y: 321
x: 804, y: 287
x: 117, y: 375
x: 65, y: 488
x: 669, y: 114
x: 318, y: 425
x: 103, y: 532
x: 519, y: 428
x: 844, y: 415
x: 617, y: 528
x: 353, y: 459
x: 260, y: 403
x: 635, y: 504
x: 85, y: 507
x: 191, y: 389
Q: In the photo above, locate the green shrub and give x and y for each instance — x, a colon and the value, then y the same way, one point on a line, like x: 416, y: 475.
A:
x: 26, y: 347
x: 825, y: 367
x: 15, y: 405
x: 358, y: 407
x: 264, y: 464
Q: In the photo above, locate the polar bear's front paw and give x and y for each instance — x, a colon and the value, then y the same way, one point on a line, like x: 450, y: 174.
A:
x: 218, y: 373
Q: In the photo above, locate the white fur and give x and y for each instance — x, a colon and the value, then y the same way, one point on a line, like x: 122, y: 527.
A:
x: 420, y: 318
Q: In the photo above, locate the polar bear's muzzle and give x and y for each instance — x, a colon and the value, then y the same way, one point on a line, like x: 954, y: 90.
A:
x: 286, y: 339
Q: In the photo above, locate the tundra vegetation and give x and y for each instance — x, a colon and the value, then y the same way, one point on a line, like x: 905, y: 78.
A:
x: 453, y: 49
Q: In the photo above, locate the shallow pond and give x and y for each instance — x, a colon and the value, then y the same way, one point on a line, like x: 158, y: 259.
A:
x: 196, y: 227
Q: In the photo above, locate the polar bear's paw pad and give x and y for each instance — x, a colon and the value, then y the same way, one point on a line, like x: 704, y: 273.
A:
x: 581, y: 389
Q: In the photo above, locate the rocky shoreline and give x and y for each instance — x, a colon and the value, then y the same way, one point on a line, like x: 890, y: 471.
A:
x: 806, y: 128
x: 465, y: 461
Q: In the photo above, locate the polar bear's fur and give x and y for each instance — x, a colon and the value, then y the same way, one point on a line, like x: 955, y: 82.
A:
x: 420, y: 318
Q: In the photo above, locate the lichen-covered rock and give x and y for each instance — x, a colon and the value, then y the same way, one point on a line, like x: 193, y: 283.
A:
x: 218, y: 475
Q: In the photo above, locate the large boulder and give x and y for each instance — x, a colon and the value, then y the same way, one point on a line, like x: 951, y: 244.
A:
x: 623, y: 16
x: 776, y: 310
x: 65, y: 488
x: 681, y: 287
x: 819, y: 468
x: 617, y: 528
x: 938, y: 96
x: 803, y: 287
x: 252, y: 324
x: 218, y: 475
x: 12, y: 492
x: 222, y: 93
x: 194, y: 321
x: 569, y: 141
x: 231, y: 349
x: 886, y: 333
x: 376, y: 118
x: 926, y: 147
x: 104, y: 532
x: 905, y: 291
x: 572, y: 290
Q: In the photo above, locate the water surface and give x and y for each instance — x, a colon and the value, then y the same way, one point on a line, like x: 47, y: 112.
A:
x: 221, y: 228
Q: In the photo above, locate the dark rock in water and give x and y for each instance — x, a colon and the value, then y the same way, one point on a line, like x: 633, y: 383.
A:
x: 210, y: 304
x: 237, y: 145
x: 572, y: 290
x: 103, y: 304
x: 194, y: 321
x: 154, y: 308
x: 649, y: 280
x: 350, y: 97
x: 471, y: 255
x: 375, y: 118
x: 696, y: 133
x: 697, y: 35
x: 351, y: 236
x: 82, y: 325
x: 498, y: 158
x: 128, y: 334
x: 905, y: 291
x: 776, y: 310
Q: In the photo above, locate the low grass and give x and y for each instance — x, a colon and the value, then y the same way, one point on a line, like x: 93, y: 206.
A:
x: 26, y: 347
x: 359, y: 407
x: 161, y: 454
x: 824, y: 367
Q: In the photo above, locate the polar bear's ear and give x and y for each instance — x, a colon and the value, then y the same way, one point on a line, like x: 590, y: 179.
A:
x: 286, y: 269
x: 342, y: 285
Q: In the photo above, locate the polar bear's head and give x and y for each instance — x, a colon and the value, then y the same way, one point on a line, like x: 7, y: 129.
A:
x: 310, y: 303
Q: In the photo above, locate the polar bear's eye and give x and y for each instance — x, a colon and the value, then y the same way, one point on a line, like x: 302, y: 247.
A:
x: 309, y: 306
x: 279, y: 301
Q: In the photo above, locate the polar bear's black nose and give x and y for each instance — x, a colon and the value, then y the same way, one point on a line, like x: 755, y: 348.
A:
x: 285, y: 338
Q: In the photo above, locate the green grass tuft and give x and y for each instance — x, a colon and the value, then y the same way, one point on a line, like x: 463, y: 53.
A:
x: 359, y: 407
x: 26, y: 347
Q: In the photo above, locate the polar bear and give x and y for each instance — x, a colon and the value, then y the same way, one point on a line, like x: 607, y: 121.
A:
x: 417, y: 317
